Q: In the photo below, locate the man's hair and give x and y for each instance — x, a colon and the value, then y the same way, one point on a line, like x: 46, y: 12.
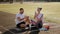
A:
x: 40, y: 8
x: 21, y: 9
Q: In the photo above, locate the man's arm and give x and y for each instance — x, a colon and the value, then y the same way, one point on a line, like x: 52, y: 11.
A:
x: 20, y: 19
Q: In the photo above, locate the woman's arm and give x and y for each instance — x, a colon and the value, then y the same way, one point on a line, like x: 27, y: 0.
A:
x: 42, y: 18
x: 35, y: 15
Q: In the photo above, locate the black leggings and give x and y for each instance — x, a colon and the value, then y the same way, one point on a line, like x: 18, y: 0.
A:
x: 39, y: 24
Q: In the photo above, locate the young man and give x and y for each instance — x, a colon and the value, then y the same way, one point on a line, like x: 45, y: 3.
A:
x: 21, y: 19
x: 39, y: 17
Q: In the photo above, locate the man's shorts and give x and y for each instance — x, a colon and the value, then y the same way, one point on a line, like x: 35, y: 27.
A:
x: 18, y: 25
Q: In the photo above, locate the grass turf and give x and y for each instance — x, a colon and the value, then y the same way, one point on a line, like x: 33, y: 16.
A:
x: 50, y: 10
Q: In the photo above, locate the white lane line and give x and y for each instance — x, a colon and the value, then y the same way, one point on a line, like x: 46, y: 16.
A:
x: 52, y: 25
x: 56, y: 18
x: 6, y: 29
x: 58, y: 26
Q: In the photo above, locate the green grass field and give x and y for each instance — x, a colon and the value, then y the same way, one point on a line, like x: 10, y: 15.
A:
x: 50, y: 10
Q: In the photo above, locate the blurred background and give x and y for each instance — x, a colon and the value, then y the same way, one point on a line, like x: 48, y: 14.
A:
x: 11, y: 1
x: 9, y: 8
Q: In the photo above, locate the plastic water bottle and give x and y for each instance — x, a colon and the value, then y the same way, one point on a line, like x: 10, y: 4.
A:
x: 43, y: 29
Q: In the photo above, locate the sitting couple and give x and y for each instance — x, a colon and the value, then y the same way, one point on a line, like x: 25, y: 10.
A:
x: 23, y: 21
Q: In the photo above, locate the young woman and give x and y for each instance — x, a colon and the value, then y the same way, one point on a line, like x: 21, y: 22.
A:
x: 39, y: 17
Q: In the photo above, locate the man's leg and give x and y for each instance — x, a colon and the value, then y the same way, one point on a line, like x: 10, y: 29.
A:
x: 21, y: 25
